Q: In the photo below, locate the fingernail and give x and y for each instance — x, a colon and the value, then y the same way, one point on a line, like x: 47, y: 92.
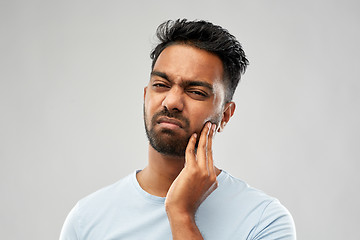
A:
x: 195, y: 135
x: 209, y: 125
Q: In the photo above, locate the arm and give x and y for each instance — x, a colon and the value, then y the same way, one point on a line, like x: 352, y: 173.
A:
x: 275, y: 223
x: 195, y: 182
x: 69, y: 229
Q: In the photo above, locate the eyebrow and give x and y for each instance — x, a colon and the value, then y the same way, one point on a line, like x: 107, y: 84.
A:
x: 185, y: 83
x: 160, y: 74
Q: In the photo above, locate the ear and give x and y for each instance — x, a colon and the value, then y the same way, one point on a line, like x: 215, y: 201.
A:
x: 145, y: 88
x: 228, y: 112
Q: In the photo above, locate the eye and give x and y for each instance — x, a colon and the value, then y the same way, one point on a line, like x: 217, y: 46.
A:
x: 160, y: 85
x: 197, y: 94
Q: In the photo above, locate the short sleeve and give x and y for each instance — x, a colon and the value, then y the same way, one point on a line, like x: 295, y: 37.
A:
x: 70, y: 227
x: 276, y: 223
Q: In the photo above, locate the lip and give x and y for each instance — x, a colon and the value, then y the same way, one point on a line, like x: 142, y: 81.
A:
x: 170, y: 121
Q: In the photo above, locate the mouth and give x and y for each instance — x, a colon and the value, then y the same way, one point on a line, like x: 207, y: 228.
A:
x: 169, y: 122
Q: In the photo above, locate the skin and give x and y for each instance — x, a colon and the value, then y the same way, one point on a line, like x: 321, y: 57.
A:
x: 188, y: 81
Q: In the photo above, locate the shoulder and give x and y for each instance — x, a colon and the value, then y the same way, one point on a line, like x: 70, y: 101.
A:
x: 94, y: 206
x: 230, y: 185
x: 275, y: 222
x: 269, y: 218
x: 107, y: 194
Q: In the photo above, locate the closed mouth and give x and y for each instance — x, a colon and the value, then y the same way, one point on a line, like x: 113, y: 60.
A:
x: 170, y: 120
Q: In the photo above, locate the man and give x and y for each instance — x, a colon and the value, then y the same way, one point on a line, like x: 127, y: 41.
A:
x: 180, y: 194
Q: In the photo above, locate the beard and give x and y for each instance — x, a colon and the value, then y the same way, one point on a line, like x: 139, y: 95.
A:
x: 167, y: 141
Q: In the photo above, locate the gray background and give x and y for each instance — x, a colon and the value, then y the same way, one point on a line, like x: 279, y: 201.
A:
x: 71, y: 91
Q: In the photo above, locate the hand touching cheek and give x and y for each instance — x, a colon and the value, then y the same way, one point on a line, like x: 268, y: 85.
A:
x: 197, y: 180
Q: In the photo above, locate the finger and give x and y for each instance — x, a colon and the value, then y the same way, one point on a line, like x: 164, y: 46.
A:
x: 211, y: 167
x: 202, y: 147
x: 190, y: 157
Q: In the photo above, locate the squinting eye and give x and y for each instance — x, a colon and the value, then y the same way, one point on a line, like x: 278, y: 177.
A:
x: 199, y: 93
x: 159, y: 85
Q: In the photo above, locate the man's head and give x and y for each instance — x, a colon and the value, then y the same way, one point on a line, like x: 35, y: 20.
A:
x: 196, y: 68
x: 209, y: 37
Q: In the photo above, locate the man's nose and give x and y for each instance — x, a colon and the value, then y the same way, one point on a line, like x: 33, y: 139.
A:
x: 173, y: 100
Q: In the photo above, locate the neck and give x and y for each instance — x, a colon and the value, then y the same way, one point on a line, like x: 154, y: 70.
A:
x: 157, y: 177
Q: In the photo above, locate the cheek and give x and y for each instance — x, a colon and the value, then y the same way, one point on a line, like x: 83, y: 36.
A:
x: 153, y: 101
x: 204, y: 116
x: 199, y: 119
x: 152, y: 105
x: 149, y: 103
x: 147, y: 109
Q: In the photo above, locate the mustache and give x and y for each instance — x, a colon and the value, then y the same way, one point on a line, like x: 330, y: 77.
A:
x: 176, y: 115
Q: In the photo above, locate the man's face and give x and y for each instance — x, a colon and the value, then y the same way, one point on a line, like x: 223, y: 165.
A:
x: 185, y: 91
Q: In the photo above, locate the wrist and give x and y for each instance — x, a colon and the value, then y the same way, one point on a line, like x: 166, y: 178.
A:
x: 180, y: 212
x: 180, y: 216
x: 183, y: 226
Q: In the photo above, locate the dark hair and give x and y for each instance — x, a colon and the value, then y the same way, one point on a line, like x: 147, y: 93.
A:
x: 207, y: 36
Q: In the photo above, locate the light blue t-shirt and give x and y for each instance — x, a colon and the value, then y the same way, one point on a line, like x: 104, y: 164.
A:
x: 124, y: 210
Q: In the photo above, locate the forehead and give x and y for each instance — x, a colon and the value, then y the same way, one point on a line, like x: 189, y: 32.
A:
x: 184, y: 62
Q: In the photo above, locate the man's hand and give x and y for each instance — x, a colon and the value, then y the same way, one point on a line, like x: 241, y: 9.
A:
x: 195, y: 182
